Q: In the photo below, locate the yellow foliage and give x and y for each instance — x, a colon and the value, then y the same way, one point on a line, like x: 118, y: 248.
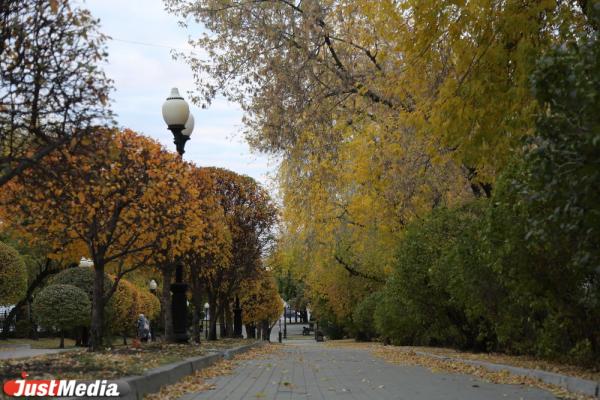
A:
x: 260, y: 300
x: 128, y: 303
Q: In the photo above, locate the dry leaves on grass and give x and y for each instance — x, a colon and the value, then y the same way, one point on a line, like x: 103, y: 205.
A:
x: 110, y: 363
x: 496, y: 358
x: 517, y: 361
x: 197, y: 382
x: 399, y: 355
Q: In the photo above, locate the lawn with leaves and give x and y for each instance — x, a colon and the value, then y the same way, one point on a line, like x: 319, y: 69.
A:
x: 110, y: 363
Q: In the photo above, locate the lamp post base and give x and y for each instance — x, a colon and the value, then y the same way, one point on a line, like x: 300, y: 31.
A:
x: 181, y: 337
x: 179, y: 308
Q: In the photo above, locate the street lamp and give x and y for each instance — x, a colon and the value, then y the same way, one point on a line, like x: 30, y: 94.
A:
x: 279, y: 335
x: 176, y: 114
x: 152, y: 285
x: 285, y: 307
x: 86, y: 262
x: 206, y: 308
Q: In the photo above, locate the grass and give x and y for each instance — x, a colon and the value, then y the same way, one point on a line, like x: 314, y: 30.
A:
x: 110, y: 363
x: 591, y: 373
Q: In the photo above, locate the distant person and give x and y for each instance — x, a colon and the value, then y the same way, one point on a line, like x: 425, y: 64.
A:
x: 143, y: 328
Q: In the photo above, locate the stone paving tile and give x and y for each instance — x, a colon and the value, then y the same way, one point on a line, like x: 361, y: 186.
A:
x: 309, y: 370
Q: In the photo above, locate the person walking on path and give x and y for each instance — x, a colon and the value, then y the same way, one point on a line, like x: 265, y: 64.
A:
x: 143, y: 328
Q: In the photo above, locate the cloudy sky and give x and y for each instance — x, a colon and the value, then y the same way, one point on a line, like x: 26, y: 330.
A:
x: 143, y: 71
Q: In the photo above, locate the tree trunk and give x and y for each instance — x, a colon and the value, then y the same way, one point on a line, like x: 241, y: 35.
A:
x: 212, y: 334
x: 196, y: 321
x: 62, y: 339
x: 229, y: 320
x: 265, y: 330
x: 198, y: 303
x: 96, y: 331
x: 124, y: 340
x: 84, y: 337
x: 222, y: 327
x: 237, y: 319
x: 167, y: 274
x: 251, y: 331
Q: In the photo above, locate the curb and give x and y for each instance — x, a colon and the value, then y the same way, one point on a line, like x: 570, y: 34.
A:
x: 570, y: 383
x: 151, y: 381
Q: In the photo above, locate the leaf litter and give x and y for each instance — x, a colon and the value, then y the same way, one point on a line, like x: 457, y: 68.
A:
x: 198, y: 381
x: 404, y: 355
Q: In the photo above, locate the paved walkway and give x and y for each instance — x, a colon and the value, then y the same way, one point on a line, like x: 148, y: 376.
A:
x: 25, y: 351
x: 309, y: 370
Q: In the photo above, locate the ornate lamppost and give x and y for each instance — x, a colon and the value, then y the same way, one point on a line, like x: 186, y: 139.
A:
x: 206, y: 308
x: 285, y: 308
x: 176, y: 113
x: 152, y: 285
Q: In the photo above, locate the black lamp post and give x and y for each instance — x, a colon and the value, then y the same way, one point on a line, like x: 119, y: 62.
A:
x: 237, y: 318
x: 206, y: 308
x: 279, y: 335
x: 285, y: 308
x: 179, y: 307
x: 176, y: 114
x: 152, y: 285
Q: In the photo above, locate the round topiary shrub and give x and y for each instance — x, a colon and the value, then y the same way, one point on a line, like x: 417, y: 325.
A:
x: 82, y: 277
x: 13, y: 275
x: 62, y: 307
x: 128, y: 302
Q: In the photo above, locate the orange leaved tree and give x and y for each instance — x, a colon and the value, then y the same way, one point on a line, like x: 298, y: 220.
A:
x: 249, y: 215
x: 101, y: 199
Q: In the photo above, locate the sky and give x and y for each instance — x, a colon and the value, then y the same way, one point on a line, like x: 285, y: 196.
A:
x: 143, y: 70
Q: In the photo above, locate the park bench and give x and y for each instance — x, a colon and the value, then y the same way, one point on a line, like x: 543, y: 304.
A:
x: 306, y: 330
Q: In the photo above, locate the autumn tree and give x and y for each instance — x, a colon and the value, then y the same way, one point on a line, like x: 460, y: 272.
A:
x: 239, y: 229
x: 52, y: 89
x: 129, y: 301
x: 438, y: 69
x: 209, y: 260
x: 178, y: 225
x: 250, y: 215
x: 381, y: 112
x: 262, y: 304
x: 102, y: 196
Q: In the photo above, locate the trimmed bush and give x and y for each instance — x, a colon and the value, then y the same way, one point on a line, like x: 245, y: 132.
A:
x: 82, y: 277
x: 125, y: 305
x: 128, y: 303
x: 13, y: 275
x: 62, y: 307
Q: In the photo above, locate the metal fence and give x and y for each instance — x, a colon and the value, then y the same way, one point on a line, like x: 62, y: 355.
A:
x: 4, y: 311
